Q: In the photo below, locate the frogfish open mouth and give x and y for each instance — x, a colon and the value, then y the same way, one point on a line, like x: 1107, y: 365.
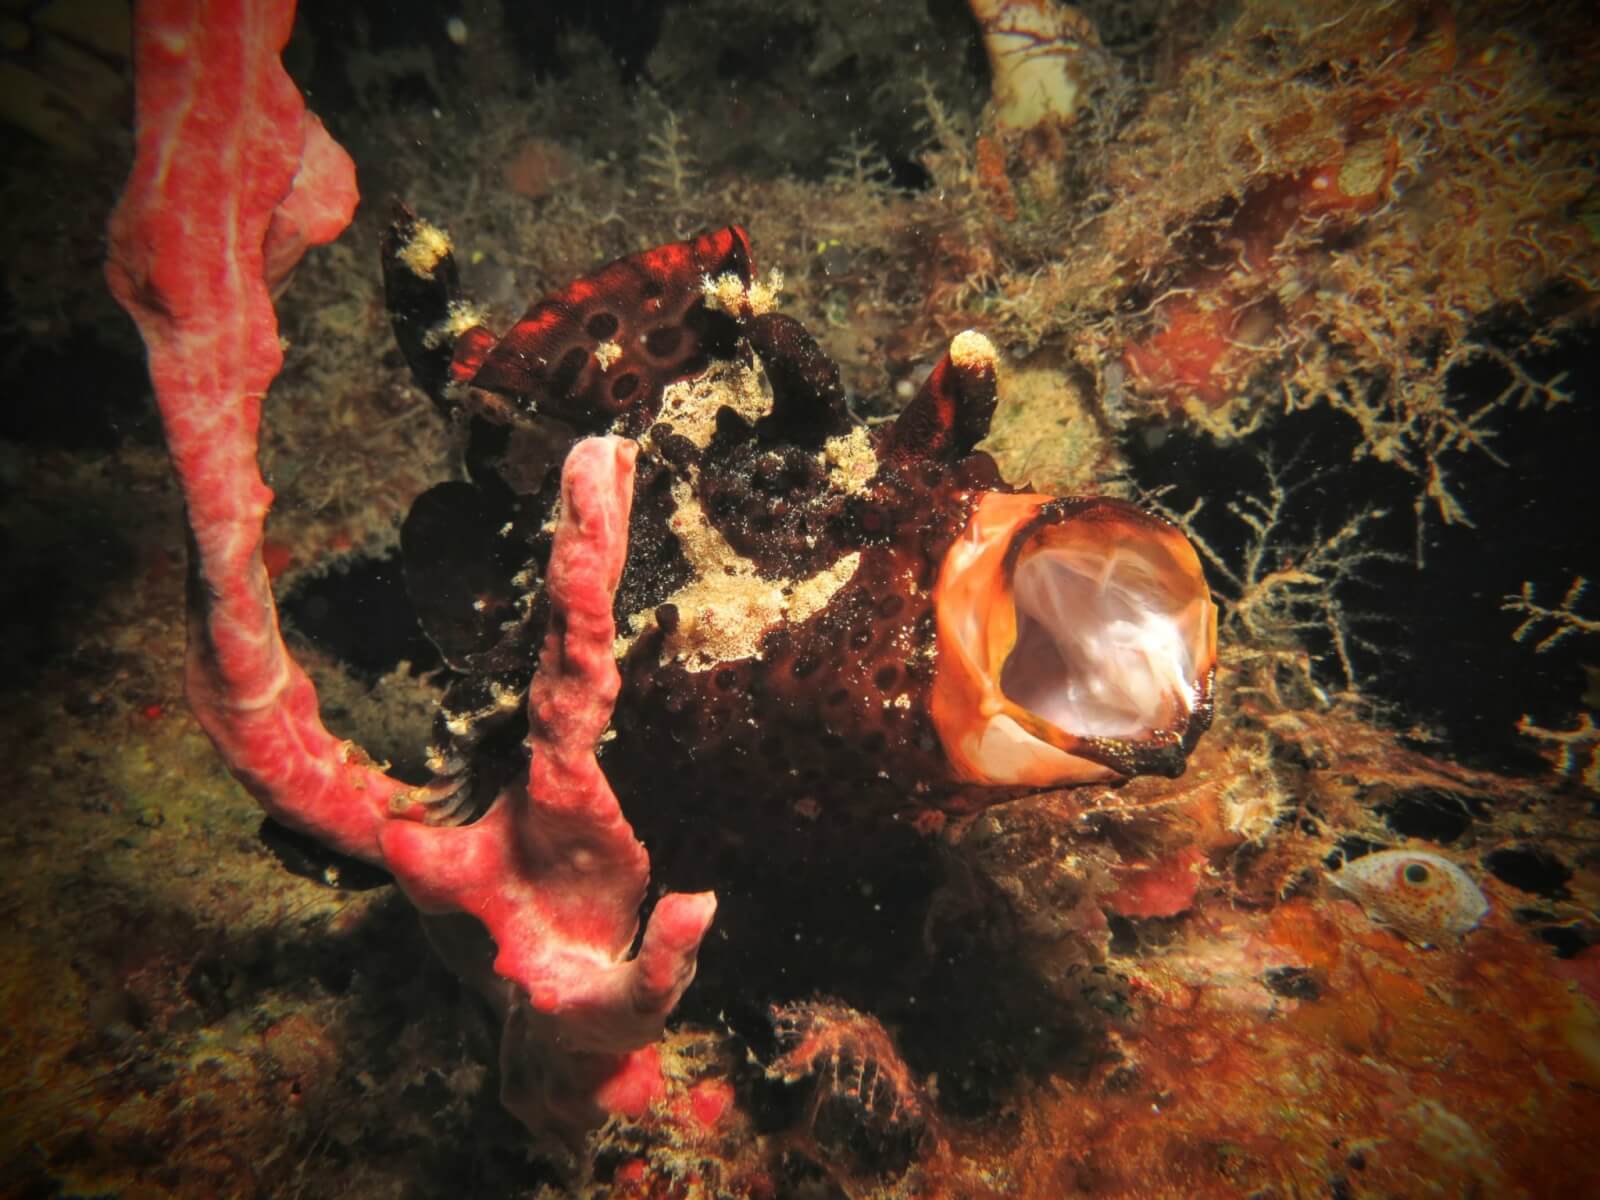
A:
x: 1077, y: 640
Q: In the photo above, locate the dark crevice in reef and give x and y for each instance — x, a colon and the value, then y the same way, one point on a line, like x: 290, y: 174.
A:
x: 826, y: 916
x: 801, y: 916
x: 81, y: 395
x: 1442, y: 655
x: 360, y: 615
x: 303, y: 855
x: 60, y: 561
x: 1530, y: 869
x: 1438, y: 816
x: 1568, y: 941
x: 845, y: 917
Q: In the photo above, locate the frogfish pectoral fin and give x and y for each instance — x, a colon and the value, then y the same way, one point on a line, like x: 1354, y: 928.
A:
x: 1076, y: 642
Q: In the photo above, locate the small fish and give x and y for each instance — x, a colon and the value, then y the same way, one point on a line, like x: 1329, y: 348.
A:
x: 1426, y: 898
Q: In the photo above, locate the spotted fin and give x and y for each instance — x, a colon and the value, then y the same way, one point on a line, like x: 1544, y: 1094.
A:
x: 606, y: 346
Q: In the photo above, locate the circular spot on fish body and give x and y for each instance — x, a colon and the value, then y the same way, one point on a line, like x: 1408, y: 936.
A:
x: 624, y: 387
x: 663, y: 341
x: 572, y: 363
x: 601, y: 326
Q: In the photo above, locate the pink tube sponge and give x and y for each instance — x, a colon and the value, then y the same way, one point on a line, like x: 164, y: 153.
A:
x: 232, y: 180
x: 553, y: 871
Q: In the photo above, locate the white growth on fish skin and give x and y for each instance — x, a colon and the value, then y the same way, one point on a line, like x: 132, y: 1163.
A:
x: 1423, y: 896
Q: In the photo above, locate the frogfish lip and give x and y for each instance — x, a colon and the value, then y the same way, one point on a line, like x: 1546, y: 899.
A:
x: 1077, y: 642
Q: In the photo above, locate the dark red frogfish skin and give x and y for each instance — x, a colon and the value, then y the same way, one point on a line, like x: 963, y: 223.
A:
x: 810, y: 606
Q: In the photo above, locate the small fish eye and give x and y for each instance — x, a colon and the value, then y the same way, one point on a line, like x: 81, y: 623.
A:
x: 1416, y: 873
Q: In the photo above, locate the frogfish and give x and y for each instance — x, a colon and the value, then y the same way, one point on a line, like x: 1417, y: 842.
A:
x: 811, y: 607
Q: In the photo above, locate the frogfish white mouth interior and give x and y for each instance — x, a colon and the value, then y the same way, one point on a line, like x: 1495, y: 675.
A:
x: 1077, y: 642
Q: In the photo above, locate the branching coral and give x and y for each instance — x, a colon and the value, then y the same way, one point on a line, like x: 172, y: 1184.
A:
x: 1574, y: 752
x: 1338, y: 208
x: 1407, y: 409
x: 1281, y: 593
x: 1564, y: 620
x: 669, y: 169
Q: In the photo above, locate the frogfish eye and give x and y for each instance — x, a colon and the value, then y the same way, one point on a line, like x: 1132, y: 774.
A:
x: 1416, y: 873
x: 1077, y: 642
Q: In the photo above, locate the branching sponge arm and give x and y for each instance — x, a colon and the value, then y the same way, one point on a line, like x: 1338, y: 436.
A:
x: 232, y: 180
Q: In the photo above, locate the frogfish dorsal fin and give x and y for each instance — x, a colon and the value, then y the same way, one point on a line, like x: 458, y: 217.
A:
x: 599, y: 352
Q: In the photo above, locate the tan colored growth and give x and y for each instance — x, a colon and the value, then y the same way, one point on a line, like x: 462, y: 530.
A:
x: 1037, y: 52
x: 972, y: 351
x: 426, y: 248
x: 726, y: 607
x: 690, y: 406
x: 851, y: 459
x: 460, y: 316
x: 730, y: 294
